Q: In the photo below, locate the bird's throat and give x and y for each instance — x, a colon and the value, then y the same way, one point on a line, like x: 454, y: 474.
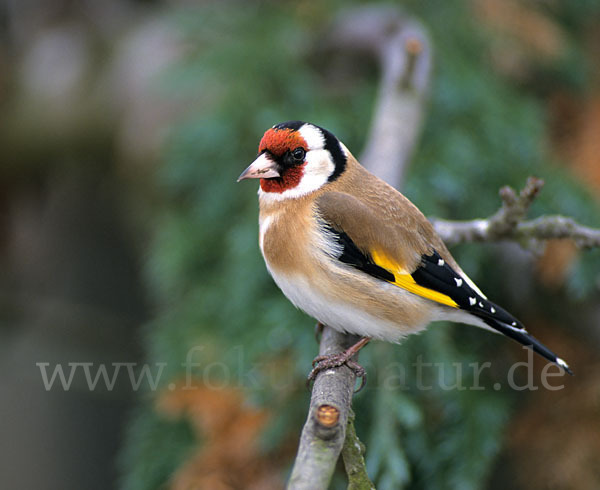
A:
x: 288, y: 180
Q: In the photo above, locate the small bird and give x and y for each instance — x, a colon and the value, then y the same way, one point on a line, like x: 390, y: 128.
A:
x: 354, y: 253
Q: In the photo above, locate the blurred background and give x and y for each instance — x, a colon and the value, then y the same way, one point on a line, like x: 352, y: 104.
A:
x: 124, y: 240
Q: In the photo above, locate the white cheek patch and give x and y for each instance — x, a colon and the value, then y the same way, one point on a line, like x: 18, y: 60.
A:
x: 317, y: 170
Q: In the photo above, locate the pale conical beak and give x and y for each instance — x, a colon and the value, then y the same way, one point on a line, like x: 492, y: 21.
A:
x: 261, y: 168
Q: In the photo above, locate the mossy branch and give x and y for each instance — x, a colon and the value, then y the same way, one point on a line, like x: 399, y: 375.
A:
x: 354, y: 462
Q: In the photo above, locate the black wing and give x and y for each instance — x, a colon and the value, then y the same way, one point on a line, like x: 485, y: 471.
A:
x: 435, y: 273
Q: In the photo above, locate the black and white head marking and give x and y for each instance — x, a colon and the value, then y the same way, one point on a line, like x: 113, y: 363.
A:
x: 324, y: 161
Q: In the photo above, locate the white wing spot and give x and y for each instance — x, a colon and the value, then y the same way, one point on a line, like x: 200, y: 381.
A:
x: 514, y: 324
x: 441, y: 262
x: 492, y: 309
x: 458, y: 281
x: 562, y: 363
x: 517, y: 329
x: 480, y: 304
x: 472, y: 301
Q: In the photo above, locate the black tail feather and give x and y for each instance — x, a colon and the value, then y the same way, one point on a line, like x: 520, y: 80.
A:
x: 523, y: 337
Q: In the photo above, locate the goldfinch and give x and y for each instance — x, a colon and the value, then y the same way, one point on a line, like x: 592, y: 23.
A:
x: 353, y: 252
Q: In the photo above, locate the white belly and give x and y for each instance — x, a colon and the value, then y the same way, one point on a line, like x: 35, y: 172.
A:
x: 343, y: 316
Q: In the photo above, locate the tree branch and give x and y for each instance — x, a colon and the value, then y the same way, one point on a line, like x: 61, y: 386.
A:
x: 508, y: 223
x: 401, y: 46
x: 325, y: 428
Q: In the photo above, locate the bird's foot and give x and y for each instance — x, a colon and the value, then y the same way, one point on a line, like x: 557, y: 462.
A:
x: 322, y: 363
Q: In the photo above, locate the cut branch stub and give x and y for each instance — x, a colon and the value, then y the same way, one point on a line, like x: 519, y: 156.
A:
x: 413, y: 47
x: 327, y: 416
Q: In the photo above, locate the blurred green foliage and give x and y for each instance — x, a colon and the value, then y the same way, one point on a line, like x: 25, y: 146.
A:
x: 169, y: 442
x: 253, y: 65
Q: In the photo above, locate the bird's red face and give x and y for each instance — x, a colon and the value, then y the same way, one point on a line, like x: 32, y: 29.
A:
x: 295, y: 158
x: 288, y: 147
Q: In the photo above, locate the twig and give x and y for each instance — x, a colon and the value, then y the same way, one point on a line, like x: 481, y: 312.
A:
x: 399, y: 112
x: 508, y: 223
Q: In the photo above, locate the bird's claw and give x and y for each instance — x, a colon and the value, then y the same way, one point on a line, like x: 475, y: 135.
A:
x: 321, y: 363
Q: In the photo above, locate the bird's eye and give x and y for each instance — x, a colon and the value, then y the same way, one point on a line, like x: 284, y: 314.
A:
x: 298, y: 154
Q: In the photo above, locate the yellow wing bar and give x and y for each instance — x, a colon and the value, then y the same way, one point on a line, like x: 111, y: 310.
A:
x: 406, y: 281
